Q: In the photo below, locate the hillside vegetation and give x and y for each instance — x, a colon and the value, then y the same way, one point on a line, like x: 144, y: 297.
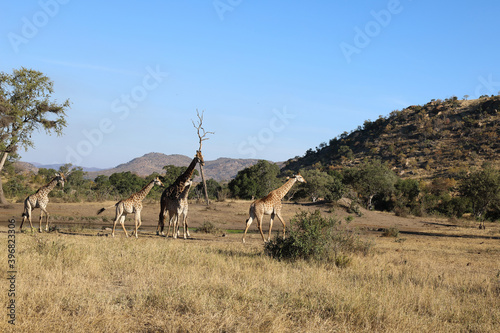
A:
x: 439, y: 139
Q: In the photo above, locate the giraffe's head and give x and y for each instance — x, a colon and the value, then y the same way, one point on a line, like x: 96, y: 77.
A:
x: 60, y: 178
x: 299, y: 178
x: 158, y: 182
x: 199, y: 156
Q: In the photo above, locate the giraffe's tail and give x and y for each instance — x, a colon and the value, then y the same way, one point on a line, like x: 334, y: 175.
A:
x: 104, y: 208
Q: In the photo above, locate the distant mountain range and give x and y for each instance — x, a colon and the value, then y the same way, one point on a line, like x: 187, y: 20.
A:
x: 220, y: 169
x: 57, y: 166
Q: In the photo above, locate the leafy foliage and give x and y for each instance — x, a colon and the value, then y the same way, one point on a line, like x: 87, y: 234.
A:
x: 321, y: 184
x: 482, y: 189
x: 173, y: 172
x: 213, y: 188
x: 25, y: 107
x: 255, y: 181
x: 370, y: 179
x: 315, y: 238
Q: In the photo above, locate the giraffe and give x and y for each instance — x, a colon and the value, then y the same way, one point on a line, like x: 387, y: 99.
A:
x: 175, y: 208
x: 270, y: 205
x: 40, y: 200
x: 132, y: 204
x: 174, y: 191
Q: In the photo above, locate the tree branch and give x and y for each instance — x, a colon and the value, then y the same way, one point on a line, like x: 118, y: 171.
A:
x: 200, y: 130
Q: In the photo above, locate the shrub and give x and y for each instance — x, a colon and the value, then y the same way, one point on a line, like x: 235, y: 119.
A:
x: 402, y: 211
x: 209, y: 228
x: 390, y: 232
x: 318, y: 239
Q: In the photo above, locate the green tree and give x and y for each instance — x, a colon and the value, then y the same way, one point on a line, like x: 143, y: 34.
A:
x: 482, y: 189
x: 173, y: 172
x: 372, y: 178
x: 102, y: 187
x: 25, y: 107
x: 17, y: 187
x: 407, y: 191
x: 156, y: 191
x: 45, y: 175
x: 213, y: 189
x: 77, y: 186
x: 322, y: 185
x: 126, y: 183
x: 255, y: 181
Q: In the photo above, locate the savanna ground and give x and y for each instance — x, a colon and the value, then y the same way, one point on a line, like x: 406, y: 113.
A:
x: 436, y: 276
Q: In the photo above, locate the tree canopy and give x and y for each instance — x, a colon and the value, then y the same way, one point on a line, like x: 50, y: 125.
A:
x: 482, y: 189
x: 26, y: 106
x: 255, y: 181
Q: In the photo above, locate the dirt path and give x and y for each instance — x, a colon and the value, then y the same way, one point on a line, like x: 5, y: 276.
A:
x: 232, y: 214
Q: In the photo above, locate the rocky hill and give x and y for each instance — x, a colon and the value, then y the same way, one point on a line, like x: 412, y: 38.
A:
x: 438, y: 139
x: 145, y: 165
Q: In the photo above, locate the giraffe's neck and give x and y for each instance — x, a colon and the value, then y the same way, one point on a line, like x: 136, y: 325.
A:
x: 188, y: 173
x: 283, y: 190
x: 185, y: 193
x: 175, y: 190
x: 142, y: 193
x: 45, y: 190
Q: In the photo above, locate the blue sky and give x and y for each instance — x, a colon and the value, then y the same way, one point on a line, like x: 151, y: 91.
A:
x: 274, y: 78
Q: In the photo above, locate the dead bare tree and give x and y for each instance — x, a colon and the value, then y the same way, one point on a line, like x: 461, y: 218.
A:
x: 202, y: 137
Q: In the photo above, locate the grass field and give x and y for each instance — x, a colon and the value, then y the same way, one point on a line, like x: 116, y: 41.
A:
x: 79, y: 280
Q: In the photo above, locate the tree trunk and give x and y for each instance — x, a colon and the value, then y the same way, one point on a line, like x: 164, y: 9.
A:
x: 204, y: 185
x: 3, y: 200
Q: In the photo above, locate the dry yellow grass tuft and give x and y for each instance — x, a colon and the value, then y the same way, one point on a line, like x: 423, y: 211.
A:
x: 413, y: 284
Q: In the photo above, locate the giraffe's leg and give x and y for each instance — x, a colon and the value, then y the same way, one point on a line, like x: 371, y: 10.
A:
x: 161, y: 223
x: 42, y: 210
x: 259, y: 225
x: 186, y: 227
x: 47, y: 220
x: 170, y: 217
x: 270, y: 226
x: 26, y: 215
x: 184, y: 218
x: 282, y: 222
x: 122, y: 222
x: 179, y: 212
x: 30, y: 213
x: 175, y: 228
x: 22, y: 222
x: 114, y: 224
x: 249, y: 222
x: 137, y: 222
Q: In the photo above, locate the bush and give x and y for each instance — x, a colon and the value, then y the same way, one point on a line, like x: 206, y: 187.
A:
x: 402, y: 211
x: 318, y: 239
x: 209, y: 228
x: 390, y: 232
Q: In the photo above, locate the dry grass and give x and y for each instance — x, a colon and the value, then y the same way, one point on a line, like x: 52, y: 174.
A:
x: 409, y: 284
